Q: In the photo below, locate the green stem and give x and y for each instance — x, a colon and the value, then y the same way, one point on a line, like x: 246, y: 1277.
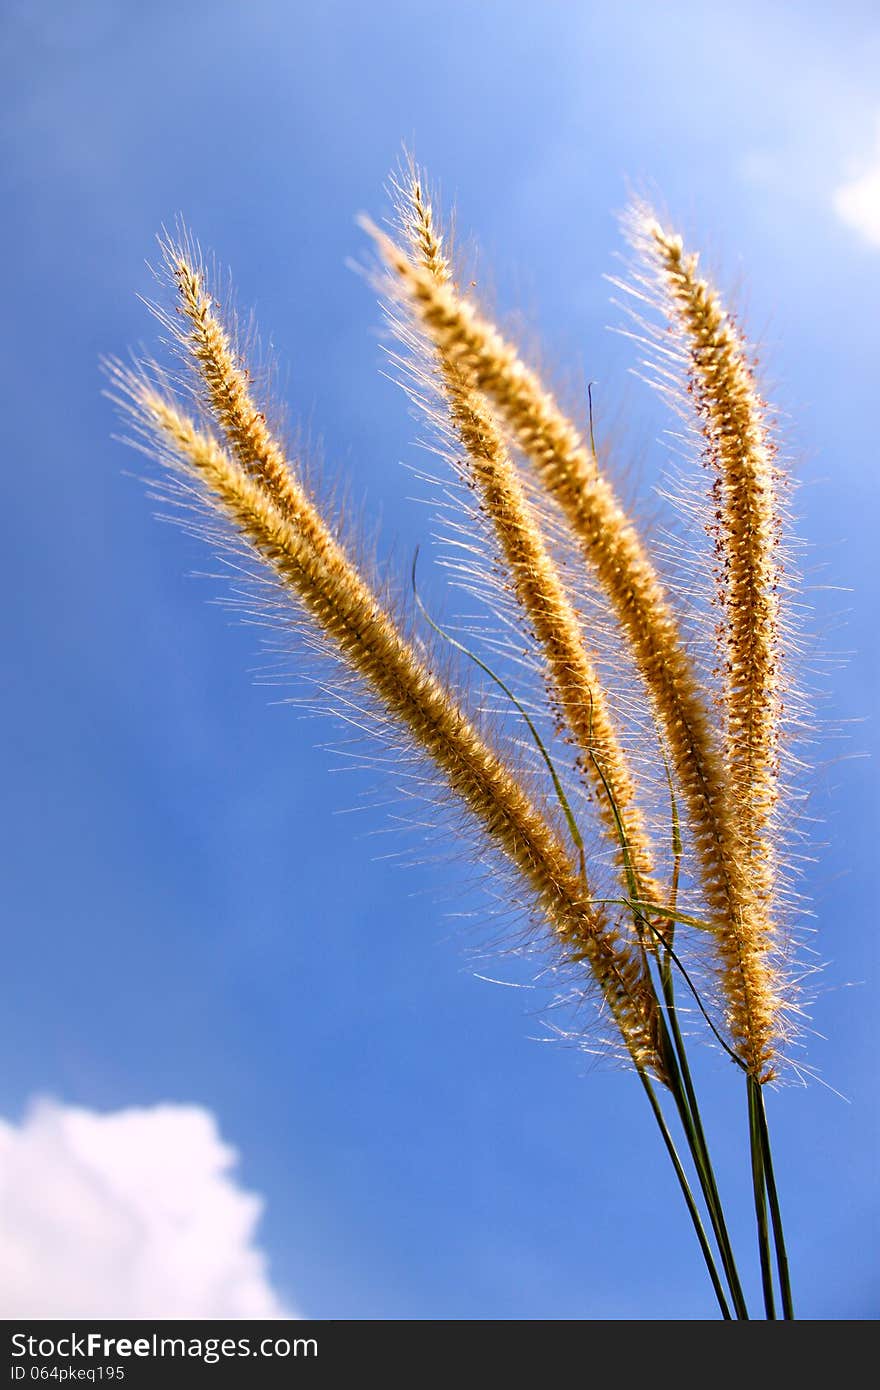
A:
x: 760, y: 1191
x: 775, y: 1212
x: 696, y: 1135
x: 685, y: 1099
x: 688, y: 1195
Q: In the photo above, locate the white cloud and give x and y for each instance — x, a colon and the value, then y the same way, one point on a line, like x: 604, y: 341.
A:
x: 131, y: 1214
x: 857, y: 202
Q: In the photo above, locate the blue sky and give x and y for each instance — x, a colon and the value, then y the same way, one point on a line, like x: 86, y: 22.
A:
x: 187, y: 917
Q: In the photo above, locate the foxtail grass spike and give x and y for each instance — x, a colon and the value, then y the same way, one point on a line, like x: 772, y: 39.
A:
x: 573, y: 676
x: 745, y: 523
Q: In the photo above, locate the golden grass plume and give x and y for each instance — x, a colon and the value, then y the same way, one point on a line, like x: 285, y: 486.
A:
x: 746, y: 526
x: 572, y: 676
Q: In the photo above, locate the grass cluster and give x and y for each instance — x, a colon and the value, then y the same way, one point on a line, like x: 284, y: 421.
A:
x: 620, y: 758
